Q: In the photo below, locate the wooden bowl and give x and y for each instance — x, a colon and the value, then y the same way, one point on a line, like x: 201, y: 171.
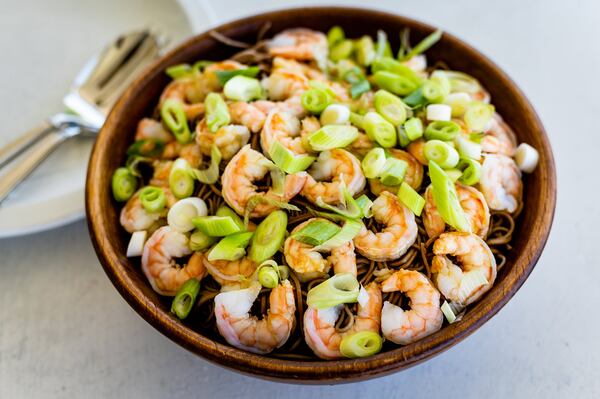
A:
x: 110, y: 241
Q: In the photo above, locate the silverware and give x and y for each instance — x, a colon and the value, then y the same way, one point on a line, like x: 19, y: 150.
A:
x: 95, y: 90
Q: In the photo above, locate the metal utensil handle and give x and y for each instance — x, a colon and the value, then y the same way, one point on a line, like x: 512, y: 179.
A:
x: 21, y: 143
x: 29, y: 161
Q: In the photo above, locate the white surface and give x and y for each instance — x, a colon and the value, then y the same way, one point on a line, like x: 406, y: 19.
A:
x: 66, y: 333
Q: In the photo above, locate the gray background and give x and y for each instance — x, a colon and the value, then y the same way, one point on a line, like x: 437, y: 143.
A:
x: 65, y: 332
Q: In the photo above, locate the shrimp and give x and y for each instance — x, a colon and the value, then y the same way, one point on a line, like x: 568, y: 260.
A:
x: 246, y: 167
x: 425, y: 315
x: 229, y: 139
x: 232, y: 312
x: 300, y: 44
x: 284, y: 128
x: 158, y: 261
x: 247, y: 114
x: 399, y: 233
x: 361, y: 146
x: 499, y: 138
x: 310, y: 264
x: 319, y: 324
x: 160, y: 176
x: 471, y: 200
x: 474, y: 256
x: 280, y: 63
x: 191, y: 152
x: 338, y: 166
x: 283, y: 84
x: 501, y: 183
x: 135, y: 218
x: 413, y: 176
x: 417, y: 150
x: 418, y: 63
x: 229, y: 272
x: 150, y: 129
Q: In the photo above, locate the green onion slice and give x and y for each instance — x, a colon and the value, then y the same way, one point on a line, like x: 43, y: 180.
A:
x: 227, y: 211
x: 217, y: 113
x: 478, y: 115
x: 200, y: 241
x: 467, y: 148
x: 232, y: 247
x: 442, y: 130
x: 415, y: 99
x: 359, y: 88
x: 268, y: 274
x: 153, y: 199
x: 448, y: 312
x: 179, y: 71
x: 471, y: 171
x: 403, y: 140
x: 388, y: 64
x: 243, y: 88
x: 441, y: 153
x: 364, y: 50
x: 460, y: 82
x: 361, y: 344
x: 316, y: 232
x: 185, y: 298
x: 258, y: 199
x: 446, y: 199
x: 339, y: 289
x: 380, y: 130
x: 393, y: 171
x: 225, y: 76
x: 382, y: 47
x: 181, y: 182
x: 315, y: 100
x: 335, y: 114
x: 413, y: 128
x: 390, y: 107
x: 433, y: 91
x: 412, y: 199
x: 397, y: 84
x: 173, y: 115
x: 365, y: 205
x: 124, y: 184
x: 332, y: 136
x: 424, y: 44
x: 335, y: 35
x: 268, y: 237
x: 209, y: 175
x: 216, y: 226
x: 471, y: 281
x: 373, y: 163
x: 341, y: 50
x: 349, y: 230
x: 146, y: 148
x: 454, y: 174
x: 349, y: 208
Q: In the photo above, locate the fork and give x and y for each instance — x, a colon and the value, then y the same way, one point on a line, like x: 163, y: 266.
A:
x: 95, y: 91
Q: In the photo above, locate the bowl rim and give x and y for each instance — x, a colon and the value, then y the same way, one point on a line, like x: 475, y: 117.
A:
x: 335, y: 371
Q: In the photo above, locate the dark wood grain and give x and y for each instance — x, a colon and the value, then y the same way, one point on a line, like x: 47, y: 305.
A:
x: 110, y: 242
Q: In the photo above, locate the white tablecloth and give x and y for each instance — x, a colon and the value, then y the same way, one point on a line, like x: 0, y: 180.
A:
x: 66, y: 333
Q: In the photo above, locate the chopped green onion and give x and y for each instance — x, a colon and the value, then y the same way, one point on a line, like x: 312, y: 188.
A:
x: 361, y: 344
x: 365, y: 50
x: 379, y: 129
x: 442, y: 130
x: 448, y: 312
x: 357, y: 120
x: 146, y: 148
x: 185, y: 298
x: 124, y: 184
x: 359, y: 88
x: 389, y: 64
x: 446, y: 199
x: 332, y: 136
x: 458, y: 102
x: 316, y: 232
x: 173, y: 115
x: 225, y: 76
x: 339, y: 289
x: 393, y: 171
x: 268, y: 274
x: 277, y: 181
x: 373, y: 162
x: 439, y: 112
x: 354, y: 75
x: 316, y: 100
x: 411, y: 198
x: 183, y: 211
x: 335, y: 35
x: 460, y: 82
x: 424, y: 44
x: 200, y: 241
x: 441, y: 153
x: 476, y: 137
x: 335, y: 114
x: 341, y: 50
x: 467, y: 148
x: 209, y: 175
x: 382, y: 47
x: 471, y: 281
x: 243, y: 88
x: 349, y: 209
x: 347, y: 233
x: 403, y: 140
x: 136, y: 243
x: 217, y: 114
x: 153, y: 199
x: 413, y: 128
x: 397, y: 84
x: 181, y: 182
x: 216, y: 226
x: 258, y: 199
x: 179, y: 71
x: 227, y: 211
x: 478, y: 115
x: 268, y: 236
x: 232, y: 247
x: 433, y: 91
x: 365, y: 205
x: 415, y: 99
x: 390, y: 107
x: 526, y: 157
x: 471, y: 171
x: 454, y: 174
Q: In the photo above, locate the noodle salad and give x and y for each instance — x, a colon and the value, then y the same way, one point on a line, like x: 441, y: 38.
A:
x: 321, y: 196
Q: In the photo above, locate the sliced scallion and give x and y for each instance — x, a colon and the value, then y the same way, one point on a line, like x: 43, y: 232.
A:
x: 243, y: 88
x: 209, y: 175
x: 316, y: 100
x: 467, y: 148
x: 397, y: 84
x: 382, y: 47
x: 349, y: 230
x: 232, y: 247
x: 441, y: 153
x: 287, y: 161
x: 200, y: 241
x: 390, y: 107
x: 185, y: 298
x: 425, y: 44
x: 412, y: 199
x: 471, y: 171
x: 359, y: 88
x: 227, y: 211
x: 340, y: 288
x: 181, y: 182
x: 393, y: 171
x: 183, y: 211
x: 446, y: 199
x: 268, y: 274
x: 332, y: 136
x: 413, y: 128
x: 365, y: 50
x: 268, y: 237
x: 341, y: 50
x: 372, y: 164
x: 379, y: 129
x: 349, y: 208
x: 335, y: 114
x: 173, y: 115
x: 124, y: 184
x: 442, y: 130
x: 365, y: 205
x: 225, y: 76
x: 361, y: 344
x: 439, y: 112
x: 217, y: 113
x: 216, y: 226
x: 335, y: 35
x: 316, y: 232
x: 478, y: 115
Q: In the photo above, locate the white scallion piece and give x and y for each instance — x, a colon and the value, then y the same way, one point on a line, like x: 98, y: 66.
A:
x: 439, y: 112
x: 183, y: 211
x: 136, y: 243
x: 335, y: 114
x: 448, y: 312
x: 526, y: 157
